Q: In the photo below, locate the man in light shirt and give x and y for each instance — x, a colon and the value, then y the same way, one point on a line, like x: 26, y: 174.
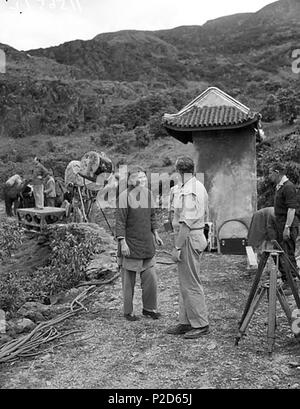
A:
x: 49, y: 189
x: 190, y: 215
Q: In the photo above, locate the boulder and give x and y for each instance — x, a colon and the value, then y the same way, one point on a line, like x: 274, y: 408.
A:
x: 103, y: 266
x: 20, y: 325
x: 35, y: 311
x: 4, y: 338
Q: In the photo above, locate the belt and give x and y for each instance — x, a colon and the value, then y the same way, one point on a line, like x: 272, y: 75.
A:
x: 197, y: 228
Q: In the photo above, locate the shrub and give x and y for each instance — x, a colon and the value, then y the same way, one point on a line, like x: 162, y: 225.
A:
x: 167, y: 161
x: 141, y: 136
x: 269, y: 113
x: 12, y: 294
x: 155, y: 127
x: 72, y: 247
x: 50, y: 146
x: 285, y: 149
x: 11, y: 236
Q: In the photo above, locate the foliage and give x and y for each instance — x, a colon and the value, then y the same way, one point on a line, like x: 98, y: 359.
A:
x: 155, y: 126
x: 11, y: 236
x: 284, y: 149
x: 12, y: 294
x: 269, y: 112
x: 141, y: 136
x: 287, y: 106
x: 137, y: 113
x: 71, y: 247
x: 167, y: 161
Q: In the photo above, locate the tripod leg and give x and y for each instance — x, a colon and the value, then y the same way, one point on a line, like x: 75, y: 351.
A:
x: 284, y: 304
x: 291, y: 281
x: 272, y: 310
x: 251, y: 310
x: 82, y: 205
x: 261, y: 266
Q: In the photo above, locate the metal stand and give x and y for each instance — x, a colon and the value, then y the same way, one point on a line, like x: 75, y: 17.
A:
x: 274, y: 291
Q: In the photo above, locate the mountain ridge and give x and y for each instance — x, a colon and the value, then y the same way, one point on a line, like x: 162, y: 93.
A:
x: 244, y: 54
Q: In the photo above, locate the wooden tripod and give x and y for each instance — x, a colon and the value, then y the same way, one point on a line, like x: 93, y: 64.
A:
x: 273, y: 291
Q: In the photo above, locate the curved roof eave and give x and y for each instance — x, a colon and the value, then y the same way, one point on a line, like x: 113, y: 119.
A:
x: 210, y: 128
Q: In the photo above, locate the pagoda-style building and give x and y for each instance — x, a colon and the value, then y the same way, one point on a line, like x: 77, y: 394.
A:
x: 223, y: 132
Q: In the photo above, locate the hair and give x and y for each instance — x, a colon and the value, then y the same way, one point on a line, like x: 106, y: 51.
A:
x: 278, y: 168
x: 185, y: 164
x: 135, y: 169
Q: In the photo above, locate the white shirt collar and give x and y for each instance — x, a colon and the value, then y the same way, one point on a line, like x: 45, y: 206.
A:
x: 281, y: 183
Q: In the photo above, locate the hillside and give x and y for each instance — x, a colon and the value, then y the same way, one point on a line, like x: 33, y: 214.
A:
x: 117, y: 82
x: 231, y: 50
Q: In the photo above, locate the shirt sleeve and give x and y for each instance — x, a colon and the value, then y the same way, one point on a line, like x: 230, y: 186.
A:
x: 154, y: 222
x: 290, y: 195
x: 121, y: 214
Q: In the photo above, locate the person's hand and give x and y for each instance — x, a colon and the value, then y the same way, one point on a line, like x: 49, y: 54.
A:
x: 176, y: 255
x: 124, y: 248
x: 286, y: 233
x: 158, y: 240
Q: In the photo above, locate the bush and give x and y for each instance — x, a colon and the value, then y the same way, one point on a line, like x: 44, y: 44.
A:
x: 269, y: 113
x: 71, y: 248
x: 285, y: 149
x: 167, y: 161
x: 141, y: 136
x: 50, y: 146
x: 11, y: 236
x: 155, y: 127
x: 12, y: 294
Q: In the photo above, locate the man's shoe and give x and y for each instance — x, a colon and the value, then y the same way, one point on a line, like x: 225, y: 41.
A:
x: 179, y: 329
x: 197, y: 332
x: 130, y: 317
x: 152, y: 314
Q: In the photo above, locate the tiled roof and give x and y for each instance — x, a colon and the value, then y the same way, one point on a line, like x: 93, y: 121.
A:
x: 197, y: 117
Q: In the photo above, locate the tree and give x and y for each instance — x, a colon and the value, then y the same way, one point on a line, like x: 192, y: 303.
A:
x: 287, y: 107
x: 155, y: 126
x: 141, y: 136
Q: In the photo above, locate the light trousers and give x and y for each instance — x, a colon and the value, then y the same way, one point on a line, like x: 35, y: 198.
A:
x: 149, y: 289
x: 38, y: 193
x: 192, y: 305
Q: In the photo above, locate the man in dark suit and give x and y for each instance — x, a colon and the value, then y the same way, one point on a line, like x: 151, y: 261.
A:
x: 287, y: 222
x: 136, y: 231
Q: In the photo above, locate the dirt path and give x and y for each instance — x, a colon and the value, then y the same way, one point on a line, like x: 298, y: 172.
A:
x: 140, y: 355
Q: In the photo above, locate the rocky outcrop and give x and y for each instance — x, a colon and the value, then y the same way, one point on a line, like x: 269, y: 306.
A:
x: 103, y: 266
x: 20, y: 325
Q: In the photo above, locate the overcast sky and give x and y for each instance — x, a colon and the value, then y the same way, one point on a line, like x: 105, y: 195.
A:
x: 26, y: 24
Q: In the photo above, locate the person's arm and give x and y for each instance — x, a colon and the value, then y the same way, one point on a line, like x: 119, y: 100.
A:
x: 291, y: 203
x: 121, y: 219
x: 154, y: 222
x: 289, y: 220
x: 187, y: 218
x: 42, y: 170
